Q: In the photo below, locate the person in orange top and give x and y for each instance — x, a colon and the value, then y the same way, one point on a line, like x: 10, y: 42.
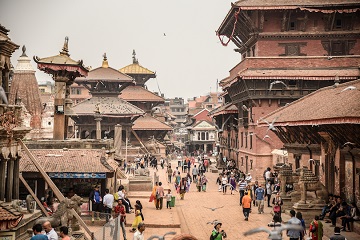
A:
x: 246, y: 204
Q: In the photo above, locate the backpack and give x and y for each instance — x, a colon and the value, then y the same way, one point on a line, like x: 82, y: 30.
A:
x: 116, y: 196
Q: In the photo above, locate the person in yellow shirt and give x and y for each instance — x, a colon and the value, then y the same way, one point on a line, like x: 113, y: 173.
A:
x: 246, y: 204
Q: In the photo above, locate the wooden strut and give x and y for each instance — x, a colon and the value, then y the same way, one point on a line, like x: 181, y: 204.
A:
x: 54, y: 188
x: 142, y: 144
x: 33, y: 195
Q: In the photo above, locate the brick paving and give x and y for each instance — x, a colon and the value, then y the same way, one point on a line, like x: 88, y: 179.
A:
x: 191, y: 215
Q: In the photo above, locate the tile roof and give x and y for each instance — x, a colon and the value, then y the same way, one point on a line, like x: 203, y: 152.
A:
x: 149, y: 123
x: 108, y: 106
x: 225, y: 109
x: 139, y: 94
x: 71, y: 160
x: 329, y: 105
x: 105, y: 74
x: 136, y: 68
x: 302, y: 3
x: 9, y: 217
x: 303, y: 74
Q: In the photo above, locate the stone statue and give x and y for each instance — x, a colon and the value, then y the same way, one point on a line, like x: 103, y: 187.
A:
x: 308, y: 182
x: 63, y: 215
x: 30, y: 203
x: 142, y: 172
x: 16, y: 204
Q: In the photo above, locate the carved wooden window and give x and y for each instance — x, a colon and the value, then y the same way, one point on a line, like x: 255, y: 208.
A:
x: 338, y: 47
x: 246, y: 140
x: 251, y: 140
x: 292, y: 26
x: 292, y: 49
x: 242, y: 139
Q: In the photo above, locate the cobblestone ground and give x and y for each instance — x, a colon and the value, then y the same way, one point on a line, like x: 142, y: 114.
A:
x: 191, y: 215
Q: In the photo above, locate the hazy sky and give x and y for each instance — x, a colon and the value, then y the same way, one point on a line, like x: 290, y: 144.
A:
x: 187, y: 61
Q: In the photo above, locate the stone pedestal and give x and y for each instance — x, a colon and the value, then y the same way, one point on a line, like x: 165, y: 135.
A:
x: 309, y: 211
x: 140, y: 184
x: 287, y: 203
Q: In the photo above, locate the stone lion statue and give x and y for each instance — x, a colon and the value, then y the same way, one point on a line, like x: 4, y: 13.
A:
x: 63, y: 215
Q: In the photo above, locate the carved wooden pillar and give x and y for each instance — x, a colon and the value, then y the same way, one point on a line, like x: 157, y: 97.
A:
x: 16, y: 178
x: 10, y: 180
x: 2, y: 177
x: 118, y: 139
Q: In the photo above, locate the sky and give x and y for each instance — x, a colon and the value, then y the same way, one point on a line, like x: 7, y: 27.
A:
x: 176, y: 39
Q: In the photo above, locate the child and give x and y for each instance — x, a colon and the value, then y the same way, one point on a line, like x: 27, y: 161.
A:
x: 140, y: 208
x: 137, y: 219
x: 168, y: 199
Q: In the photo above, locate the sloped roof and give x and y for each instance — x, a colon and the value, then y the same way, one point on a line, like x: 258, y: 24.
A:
x: 136, y: 68
x: 107, y: 74
x: 139, y: 94
x: 225, y: 109
x: 203, y: 125
x: 302, y: 3
x: 303, y: 74
x: 9, y: 217
x: 71, y: 160
x: 108, y: 106
x: 327, y: 105
x: 149, y: 123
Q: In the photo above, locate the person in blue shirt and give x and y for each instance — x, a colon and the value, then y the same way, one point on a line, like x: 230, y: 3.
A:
x: 96, y: 201
x: 259, y: 195
x: 37, y: 228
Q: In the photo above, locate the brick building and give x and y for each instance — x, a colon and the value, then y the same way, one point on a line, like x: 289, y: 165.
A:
x: 289, y: 49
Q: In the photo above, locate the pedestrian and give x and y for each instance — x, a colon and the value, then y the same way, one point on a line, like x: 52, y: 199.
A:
x: 64, y: 231
x: 259, y: 195
x: 198, y: 183
x: 136, y: 220
x: 120, y: 211
x: 216, y: 233
x: 139, y: 234
x: 302, y: 233
x: 246, y: 205
x: 183, y: 184
x: 232, y: 182
x: 126, y: 201
x: 254, y: 187
x: 96, y: 200
x: 204, y: 183
x: 168, y: 197
x: 162, y: 163
x: 140, y: 208
x: 108, y: 203
x: 169, y: 173
x: 242, y: 187
x: 49, y: 231
x: 37, y: 228
x: 153, y: 193
x: 316, y: 229
x: 218, y: 181
x: 277, y: 202
x: 293, y: 234
x: 188, y: 182
x: 248, y: 178
x: 189, y: 165
x: 224, y: 182
x: 268, y: 192
x: 159, y: 196
x: 195, y: 172
x: 337, y: 235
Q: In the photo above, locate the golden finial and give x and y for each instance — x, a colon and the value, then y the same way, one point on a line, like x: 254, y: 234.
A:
x: 105, y: 63
x: 65, y: 50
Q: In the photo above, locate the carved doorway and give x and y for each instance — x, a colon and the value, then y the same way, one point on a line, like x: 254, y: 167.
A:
x: 330, y: 173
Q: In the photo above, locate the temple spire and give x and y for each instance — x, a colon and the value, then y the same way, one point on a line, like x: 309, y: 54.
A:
x: 65, y: 50
x: 23, y: 51
x: 134, y: 57
x: 105, y: 63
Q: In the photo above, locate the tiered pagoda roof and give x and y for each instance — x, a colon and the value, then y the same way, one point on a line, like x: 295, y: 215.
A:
x: 148, y: 123
x: 139, y: 94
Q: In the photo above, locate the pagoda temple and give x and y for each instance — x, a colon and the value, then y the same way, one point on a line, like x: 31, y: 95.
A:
x: 96, y: 117
x: 288, y: 49
x: 152, y: 125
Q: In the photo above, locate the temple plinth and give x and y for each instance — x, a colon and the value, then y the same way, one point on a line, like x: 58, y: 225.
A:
x: 64, y: 70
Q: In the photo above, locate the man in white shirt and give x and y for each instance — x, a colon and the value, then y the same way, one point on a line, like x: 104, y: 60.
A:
x: 108, y: 202
x: 49, y: 231
x: 139, y: 234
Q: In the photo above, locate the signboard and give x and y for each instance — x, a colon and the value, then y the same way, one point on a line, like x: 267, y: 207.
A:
x: 77, y: 175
